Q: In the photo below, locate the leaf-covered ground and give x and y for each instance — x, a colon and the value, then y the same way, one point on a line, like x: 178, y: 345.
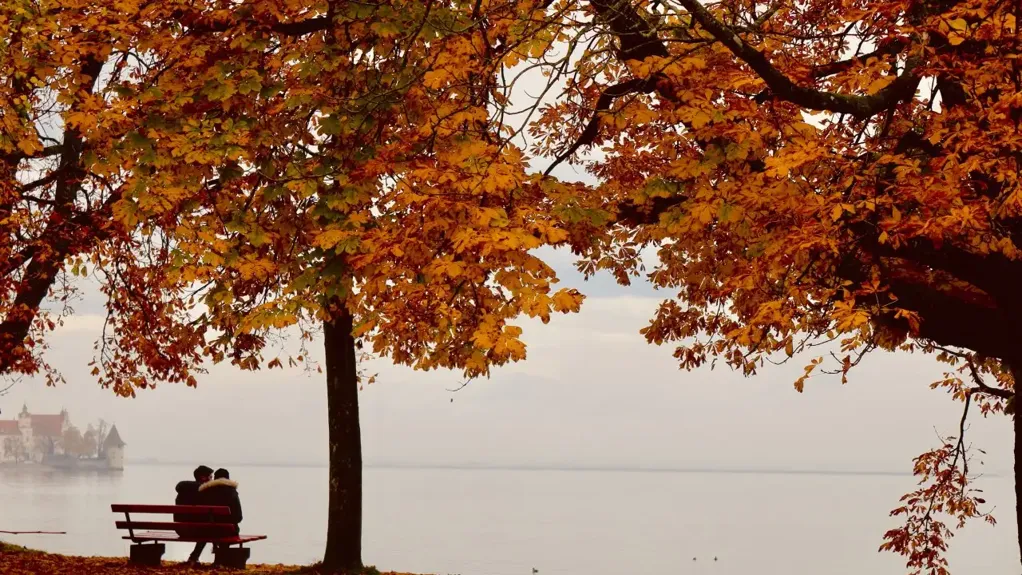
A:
x: 16, y: 560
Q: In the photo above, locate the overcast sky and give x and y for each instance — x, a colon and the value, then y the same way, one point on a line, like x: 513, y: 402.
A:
x: 591, y: 393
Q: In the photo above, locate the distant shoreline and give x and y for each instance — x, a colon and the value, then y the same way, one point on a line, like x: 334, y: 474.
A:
x: 579, y: 468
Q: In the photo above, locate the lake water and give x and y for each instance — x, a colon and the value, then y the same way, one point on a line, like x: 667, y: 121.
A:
x: 505, y: 522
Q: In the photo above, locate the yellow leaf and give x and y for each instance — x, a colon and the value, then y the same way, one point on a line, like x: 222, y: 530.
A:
x: 700, y: 119
x: 435, y: 78
x: 126, y: 212
x: 800, y: 384
x: 698, y: 63
x: 328, y: 239
x: 958, y: 24
x: 256, y: 269
x: 704, y: 212
x: 567, y: 300
x: 482, y: 340
x: 879, y: 84
x: 29, y: 146
x: 835, y: 213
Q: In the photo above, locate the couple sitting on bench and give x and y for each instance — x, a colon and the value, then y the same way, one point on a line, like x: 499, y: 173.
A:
x: 208, y: 488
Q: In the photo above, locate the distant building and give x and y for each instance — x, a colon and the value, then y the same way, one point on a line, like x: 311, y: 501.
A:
x: 39, y: 438
x: 31, y: 437
x: 113, y: 449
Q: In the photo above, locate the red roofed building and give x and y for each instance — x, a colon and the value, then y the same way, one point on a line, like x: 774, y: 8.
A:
x: 49, y: 425
x: 9, y: 427
x: 32, y: 436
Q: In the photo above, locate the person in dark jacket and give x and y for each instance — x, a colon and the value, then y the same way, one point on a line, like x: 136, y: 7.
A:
x: 188, y: 494
x: 223, y: 491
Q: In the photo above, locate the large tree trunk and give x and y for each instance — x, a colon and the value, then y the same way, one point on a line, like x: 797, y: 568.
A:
x: 1018, y: 470
x: 344, y: 519
x: 1016, y: 374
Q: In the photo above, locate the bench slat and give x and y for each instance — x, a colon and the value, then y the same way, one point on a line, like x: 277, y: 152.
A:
x: 170, y: 525
x: 189, y: 509
x: 158, y: 536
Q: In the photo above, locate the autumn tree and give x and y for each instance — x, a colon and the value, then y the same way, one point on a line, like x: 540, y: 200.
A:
x: 14, y: 448
x: 72, y: 443
x: 77, y: 83
x: 812, y: 172
x: 302, y: 165
x: 46, y: 444
x: 90, y: 442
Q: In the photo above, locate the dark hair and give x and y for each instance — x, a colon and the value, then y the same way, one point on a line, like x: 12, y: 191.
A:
x: 222, y: 474
x: 202, y: 471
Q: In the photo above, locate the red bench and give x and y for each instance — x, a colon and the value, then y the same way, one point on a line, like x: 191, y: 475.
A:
x: 148, y: 535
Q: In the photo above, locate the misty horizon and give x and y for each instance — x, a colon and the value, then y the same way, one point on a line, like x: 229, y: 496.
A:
x: 483, y: 466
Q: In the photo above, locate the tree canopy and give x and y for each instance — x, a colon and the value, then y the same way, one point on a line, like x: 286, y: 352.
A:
x: 282, y: 165
x: 813, y: 172
x: 805, y: 172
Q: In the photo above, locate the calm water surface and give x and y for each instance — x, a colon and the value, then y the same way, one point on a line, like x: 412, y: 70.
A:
x: 505, y: 522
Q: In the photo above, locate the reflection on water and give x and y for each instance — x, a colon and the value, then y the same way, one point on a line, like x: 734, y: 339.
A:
x: 503, y: 522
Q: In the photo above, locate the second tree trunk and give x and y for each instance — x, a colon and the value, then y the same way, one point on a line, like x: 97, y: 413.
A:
x: 344, y: 516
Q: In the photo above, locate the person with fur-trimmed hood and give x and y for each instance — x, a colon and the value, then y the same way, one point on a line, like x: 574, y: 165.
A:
x: 222, y: 491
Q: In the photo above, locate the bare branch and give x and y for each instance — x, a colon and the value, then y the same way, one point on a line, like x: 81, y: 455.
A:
x: 460, y: 387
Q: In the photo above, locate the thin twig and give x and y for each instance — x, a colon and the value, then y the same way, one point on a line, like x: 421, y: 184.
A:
x: 462, y: 386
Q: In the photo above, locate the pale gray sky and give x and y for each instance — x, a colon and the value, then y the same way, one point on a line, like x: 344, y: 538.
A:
x: 592, y: 393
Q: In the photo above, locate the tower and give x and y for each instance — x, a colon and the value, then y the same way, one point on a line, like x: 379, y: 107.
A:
x: 113, y: 448
x: 25, y: 426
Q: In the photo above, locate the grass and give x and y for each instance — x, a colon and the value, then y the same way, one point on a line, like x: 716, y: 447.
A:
x: 18, y: 560
x: 6, y: 548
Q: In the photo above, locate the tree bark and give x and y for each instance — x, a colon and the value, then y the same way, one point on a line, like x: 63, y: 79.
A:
x: 344, y: 516
x: 1018, y: 471
x: 1016, y: 374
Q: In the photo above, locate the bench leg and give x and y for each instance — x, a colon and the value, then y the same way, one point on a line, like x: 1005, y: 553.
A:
x: 234, y: 557
x: 148, y: 555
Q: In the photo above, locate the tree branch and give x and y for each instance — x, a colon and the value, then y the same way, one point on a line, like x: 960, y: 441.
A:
x: 196, y: 22
x: 982, y: 387
x: 636, y: 37
x: 862, y: 107
x: 302, y: 27
x: 886, y: 48
x: 603, y: 103
x: 949, y: 320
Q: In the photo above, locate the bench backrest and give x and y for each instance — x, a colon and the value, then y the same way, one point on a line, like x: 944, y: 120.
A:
x: 190, y: 509
x: 205, y: 517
